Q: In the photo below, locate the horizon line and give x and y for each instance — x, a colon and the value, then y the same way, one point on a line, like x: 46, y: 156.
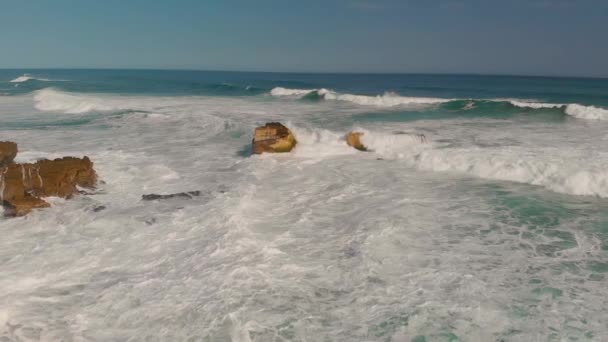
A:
x: 314, y: 72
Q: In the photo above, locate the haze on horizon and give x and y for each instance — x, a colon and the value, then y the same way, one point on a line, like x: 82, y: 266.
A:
x: 535, y: 37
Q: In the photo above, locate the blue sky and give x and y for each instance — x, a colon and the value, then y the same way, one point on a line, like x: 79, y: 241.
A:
x: 533, y: 37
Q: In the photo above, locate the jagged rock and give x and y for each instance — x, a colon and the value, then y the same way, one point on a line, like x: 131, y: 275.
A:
x: 353, y: 139
x: 21, y: 185
x: 273, y: 138
x: 186, y: 195
x: 8, y: 152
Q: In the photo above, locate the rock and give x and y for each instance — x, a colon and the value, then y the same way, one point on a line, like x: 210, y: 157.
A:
x: 22, y: 185
x: 354, y: 139
x: 273, y: 138
x: 186, y: 195
x: 23, y: 206
x: 8, y: 152
x: 61, y: 176
x: 99, y: 208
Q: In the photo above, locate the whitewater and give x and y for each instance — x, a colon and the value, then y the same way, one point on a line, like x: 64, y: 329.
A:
x: 480, y: 212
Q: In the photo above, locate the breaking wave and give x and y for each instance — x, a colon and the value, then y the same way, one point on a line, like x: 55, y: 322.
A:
x: 52, y: 100
x: 388, y: 99
x: 391, y: 99
x: 557, y: 175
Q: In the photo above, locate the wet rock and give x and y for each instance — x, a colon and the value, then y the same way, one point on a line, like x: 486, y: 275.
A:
x: 8, y: 152
x: 353, y: 139
x: 22, y: 185
x: 272, y: 138
x: 99, y: 208
x: 184, y: 195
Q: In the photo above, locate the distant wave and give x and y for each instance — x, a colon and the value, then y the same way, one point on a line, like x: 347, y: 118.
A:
x: 26, y: 77
x: 390, y: 99
x: 573, y: 109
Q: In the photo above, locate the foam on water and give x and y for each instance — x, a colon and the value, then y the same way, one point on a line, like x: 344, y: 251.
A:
x: 447, y: 238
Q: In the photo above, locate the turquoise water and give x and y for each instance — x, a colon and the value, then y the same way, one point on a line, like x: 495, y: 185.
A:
x: 494, y: 227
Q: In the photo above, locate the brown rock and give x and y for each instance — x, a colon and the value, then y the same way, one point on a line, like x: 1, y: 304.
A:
x: 8, y: 152
x: 354, y: 139
x: 21, y: 185
x: 23, y: 206
x: 61, y: 176
x: 273, y: 138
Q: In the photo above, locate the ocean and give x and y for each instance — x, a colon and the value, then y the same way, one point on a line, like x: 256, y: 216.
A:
x: 492, y: 228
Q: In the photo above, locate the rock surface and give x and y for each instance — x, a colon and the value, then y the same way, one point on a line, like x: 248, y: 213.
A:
x: 22, y: 185
x: 353, y: 139
x: 273, y: 137
x: 8, y: 152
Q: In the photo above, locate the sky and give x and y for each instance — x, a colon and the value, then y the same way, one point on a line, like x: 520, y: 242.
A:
x: 517, y: 37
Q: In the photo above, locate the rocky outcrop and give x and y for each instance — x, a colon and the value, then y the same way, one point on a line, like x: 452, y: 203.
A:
x: 272, y: 138
x: 23, y: 185
x: 8, y: 152
x: 353, y: 139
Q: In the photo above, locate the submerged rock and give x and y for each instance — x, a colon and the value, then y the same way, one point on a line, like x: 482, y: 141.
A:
x: 353, y: 139
x: 8, y: 152
x: 22, y: 185
x: 273, y: 137
x: 186, y: 195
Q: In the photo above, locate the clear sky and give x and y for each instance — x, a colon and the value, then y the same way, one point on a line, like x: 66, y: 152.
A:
x: 533, y: 37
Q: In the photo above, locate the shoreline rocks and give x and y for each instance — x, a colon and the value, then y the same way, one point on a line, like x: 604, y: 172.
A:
x: 273, y: 137
x: 23, y: 185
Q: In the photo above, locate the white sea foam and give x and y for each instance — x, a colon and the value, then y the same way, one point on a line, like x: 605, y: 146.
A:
x: 324, y: 243
x: 552, y: 173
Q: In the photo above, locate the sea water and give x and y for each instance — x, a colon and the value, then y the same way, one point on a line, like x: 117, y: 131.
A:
x: 493, y: 227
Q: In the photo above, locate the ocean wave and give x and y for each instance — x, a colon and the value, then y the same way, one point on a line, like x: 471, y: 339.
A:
x: 51, y: 100
x: 587, y: 112
x: 391, y: 99
x: 25, y: 77
x: 388, y: 99
x: 279, y: 91
x: 535, y: 105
